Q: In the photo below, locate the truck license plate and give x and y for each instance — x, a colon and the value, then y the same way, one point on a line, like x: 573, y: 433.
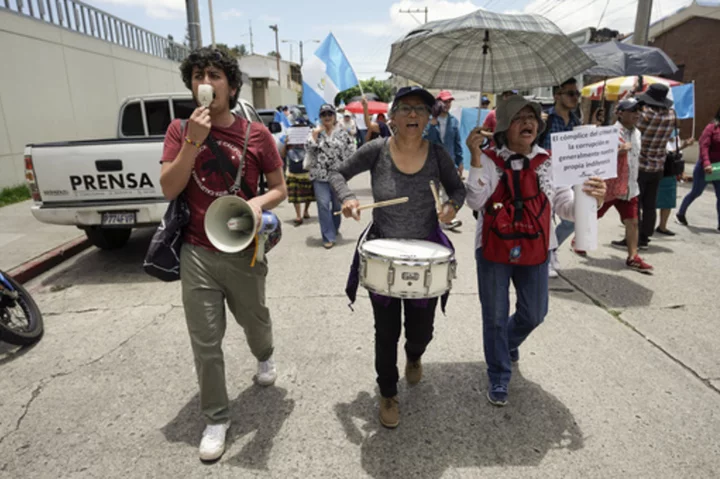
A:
x: 118, y: 218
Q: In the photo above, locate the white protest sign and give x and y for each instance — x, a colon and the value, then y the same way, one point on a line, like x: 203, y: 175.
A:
x: 298, y: 135
x: 584, y: 152
x: 576, y: 156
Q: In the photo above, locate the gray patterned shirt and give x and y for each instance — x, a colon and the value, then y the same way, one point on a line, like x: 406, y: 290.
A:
x: 328, y: 152
x: 417, y: 218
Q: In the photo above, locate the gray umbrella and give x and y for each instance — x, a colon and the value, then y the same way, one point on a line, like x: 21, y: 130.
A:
x: 616, y: 59
x: 521, y: 52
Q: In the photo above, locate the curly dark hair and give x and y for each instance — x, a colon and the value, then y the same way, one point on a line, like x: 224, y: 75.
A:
x: 205, y: 57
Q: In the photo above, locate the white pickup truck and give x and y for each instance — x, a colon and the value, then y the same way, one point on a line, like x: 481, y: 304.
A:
x: 108, y: 187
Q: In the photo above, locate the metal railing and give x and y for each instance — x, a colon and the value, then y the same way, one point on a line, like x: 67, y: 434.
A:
x: 81, y: 18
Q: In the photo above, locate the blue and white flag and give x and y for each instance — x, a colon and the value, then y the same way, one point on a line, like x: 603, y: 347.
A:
x: 281, y: 118
x: 684, y: 98
x: 325, y: 74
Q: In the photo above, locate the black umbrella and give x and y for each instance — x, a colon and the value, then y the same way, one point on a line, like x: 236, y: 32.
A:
x: 616, y: 59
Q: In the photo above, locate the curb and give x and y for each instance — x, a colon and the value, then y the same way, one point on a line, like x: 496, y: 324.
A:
x: 37, y: 266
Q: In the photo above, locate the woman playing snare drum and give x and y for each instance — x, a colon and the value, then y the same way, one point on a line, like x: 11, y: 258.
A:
x: 401, y: 166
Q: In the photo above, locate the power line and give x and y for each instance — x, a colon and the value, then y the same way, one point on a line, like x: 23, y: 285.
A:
x: 547, y: 11
x: 416, y: 10
x: 603, y: 13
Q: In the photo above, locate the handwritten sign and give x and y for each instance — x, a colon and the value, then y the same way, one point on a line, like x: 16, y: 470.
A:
x: 297, y: 135
x: 584, y: 152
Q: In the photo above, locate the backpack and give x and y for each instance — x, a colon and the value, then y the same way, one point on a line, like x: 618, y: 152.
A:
x: 295, y: 158
x: 516, y: 221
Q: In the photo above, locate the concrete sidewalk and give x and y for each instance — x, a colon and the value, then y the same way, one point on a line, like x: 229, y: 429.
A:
x: 30, y: 247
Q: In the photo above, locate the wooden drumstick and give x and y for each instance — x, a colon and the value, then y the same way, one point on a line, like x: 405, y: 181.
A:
x: 380, y: 204
x: 438, y: 205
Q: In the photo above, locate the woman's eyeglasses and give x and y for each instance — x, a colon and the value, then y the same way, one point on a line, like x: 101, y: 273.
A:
x: 326, y: 114
x: 404, y: 110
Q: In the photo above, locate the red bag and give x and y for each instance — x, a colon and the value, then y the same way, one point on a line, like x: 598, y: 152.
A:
x: 516, y: 222
x: 618, y: 187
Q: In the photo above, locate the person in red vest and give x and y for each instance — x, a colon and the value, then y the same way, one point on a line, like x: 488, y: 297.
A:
x: 511, y: 185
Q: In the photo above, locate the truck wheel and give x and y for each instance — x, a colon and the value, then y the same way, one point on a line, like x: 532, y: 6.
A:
x: 108, y: 238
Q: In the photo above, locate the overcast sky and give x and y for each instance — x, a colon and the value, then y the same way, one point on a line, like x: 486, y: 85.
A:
x: 365, y: 29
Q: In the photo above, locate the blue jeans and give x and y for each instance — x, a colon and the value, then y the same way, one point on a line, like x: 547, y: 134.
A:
x: 563, y: 231
x: 697, y: 189
x: 502, y: 332
x: 327, y: 204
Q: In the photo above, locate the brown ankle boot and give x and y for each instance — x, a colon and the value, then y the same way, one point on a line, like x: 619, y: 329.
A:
x: 413, y: 372
x: 389, y: 412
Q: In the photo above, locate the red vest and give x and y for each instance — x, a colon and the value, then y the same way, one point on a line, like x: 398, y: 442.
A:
x: 516, y: 224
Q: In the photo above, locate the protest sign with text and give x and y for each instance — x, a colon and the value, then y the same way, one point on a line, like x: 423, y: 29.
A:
x: 584, y: 152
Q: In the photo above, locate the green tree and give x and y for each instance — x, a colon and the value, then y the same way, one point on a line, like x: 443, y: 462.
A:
x: 379, y: 87
x: 236, y: 52
x: 274, y: 54
x: 240, y: 50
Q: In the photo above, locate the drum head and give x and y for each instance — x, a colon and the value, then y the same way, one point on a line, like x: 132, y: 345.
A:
x: 406, y: 249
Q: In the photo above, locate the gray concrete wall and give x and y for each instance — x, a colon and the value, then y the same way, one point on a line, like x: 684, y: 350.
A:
x: 59, y: 85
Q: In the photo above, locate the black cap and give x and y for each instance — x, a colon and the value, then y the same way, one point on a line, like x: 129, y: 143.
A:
x: 417, y: 91
x: 629, y: 104
x: 327, y: 107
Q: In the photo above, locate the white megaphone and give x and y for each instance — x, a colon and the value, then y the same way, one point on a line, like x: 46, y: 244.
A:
x: 231, y: 225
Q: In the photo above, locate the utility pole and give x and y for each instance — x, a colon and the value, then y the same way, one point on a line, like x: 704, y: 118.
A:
x: 642, y: 22
x: 416, y: 10
x: 252, y: 45
x: 193, y: 21
x: 212, y: 23
x: 291, y: 47
x: 302, y: 58
x: 277, y: 50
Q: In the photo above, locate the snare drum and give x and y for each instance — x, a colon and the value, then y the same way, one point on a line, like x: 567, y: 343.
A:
x: 406, y: 268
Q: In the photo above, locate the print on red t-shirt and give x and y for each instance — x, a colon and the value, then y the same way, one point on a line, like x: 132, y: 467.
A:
x: 206, y: 183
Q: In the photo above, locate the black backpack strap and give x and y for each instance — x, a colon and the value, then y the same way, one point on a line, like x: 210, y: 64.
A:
x: 518, y: 201
x: 239, y: 178
x: 225, y: 166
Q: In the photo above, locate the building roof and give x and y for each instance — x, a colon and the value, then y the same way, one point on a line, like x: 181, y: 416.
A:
x: 267, y: 57
x: 698, y: 8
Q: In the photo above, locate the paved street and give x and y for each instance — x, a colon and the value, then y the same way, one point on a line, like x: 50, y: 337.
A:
x: 622, y: 380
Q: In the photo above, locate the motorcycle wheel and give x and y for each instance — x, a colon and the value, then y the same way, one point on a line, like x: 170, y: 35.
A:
x: 22, y: 323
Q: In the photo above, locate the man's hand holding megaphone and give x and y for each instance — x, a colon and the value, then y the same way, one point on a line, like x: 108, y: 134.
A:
x: 257, y: 211
x: 199, y: 125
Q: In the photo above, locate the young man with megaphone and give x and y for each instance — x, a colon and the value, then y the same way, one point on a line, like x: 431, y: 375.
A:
x: 209, y: 276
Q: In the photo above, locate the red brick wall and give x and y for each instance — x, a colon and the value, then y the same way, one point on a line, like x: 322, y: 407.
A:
x: 696, y: 45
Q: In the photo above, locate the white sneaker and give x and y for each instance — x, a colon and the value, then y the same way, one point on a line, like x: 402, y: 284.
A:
x: 553, y: 265
x: 212, y: 445
x: 266, y: 373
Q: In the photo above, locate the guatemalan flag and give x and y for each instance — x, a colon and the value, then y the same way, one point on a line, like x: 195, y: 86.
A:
x: 325, y: 74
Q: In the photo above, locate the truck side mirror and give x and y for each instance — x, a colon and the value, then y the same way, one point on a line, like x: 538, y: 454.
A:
x: 275, y: 127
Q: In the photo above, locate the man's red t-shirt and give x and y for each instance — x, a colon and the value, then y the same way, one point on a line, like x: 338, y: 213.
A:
x: 206, y: 184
